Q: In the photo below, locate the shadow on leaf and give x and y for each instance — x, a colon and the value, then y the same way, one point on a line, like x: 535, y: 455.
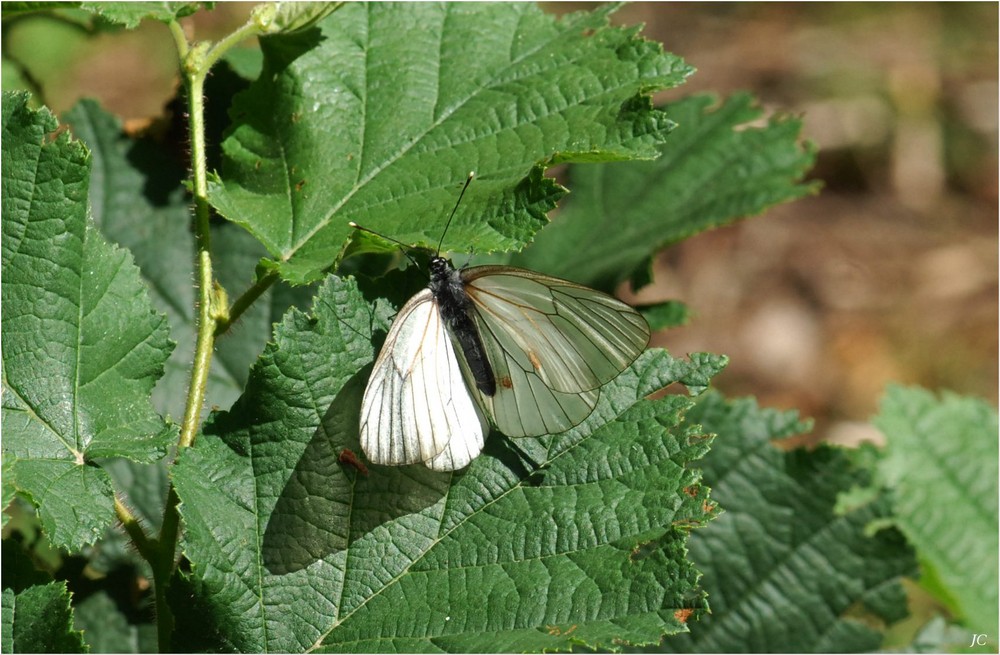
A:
x: 326, y: 504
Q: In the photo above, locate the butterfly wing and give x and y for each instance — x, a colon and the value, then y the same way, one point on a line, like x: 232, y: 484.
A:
x: 523, y: 406
x: 417, y: 407
x: 552, y: 345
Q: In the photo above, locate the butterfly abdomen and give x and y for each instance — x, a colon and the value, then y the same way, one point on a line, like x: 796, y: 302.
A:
x: 456, y: 309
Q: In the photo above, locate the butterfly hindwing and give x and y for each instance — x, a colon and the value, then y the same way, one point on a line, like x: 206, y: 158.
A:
x: 417, y: 407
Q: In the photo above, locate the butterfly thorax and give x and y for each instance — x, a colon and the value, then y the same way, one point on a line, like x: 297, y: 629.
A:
x: 446, y: 282
x: 456, y: 308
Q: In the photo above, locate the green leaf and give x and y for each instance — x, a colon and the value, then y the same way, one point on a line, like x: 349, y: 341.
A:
x: 7, y: 622
x: 671, y: 313
x: 82, y: 346
x: 291, y: 549
x: 785, y: 572
x: 130, y: 14
x: 246, y: 63
x: 138, y: 201
x: 713, y: 171
x: 107, y: 630
x: 39, y: 620
x: 358, y: 124
x: 941, y: 462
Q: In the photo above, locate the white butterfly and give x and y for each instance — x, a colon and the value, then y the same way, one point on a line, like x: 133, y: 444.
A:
x: 491, y: 344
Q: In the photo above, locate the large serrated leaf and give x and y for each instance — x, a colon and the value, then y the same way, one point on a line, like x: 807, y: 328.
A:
x: 292, y: 549
x: 713, y: 171
x: 138, y: 201
x: 36, y: 616
x: 38, y: 619
x: 357, y: 122
x: 941, y: 463
x: 783, y: 570
x: 82, y: 346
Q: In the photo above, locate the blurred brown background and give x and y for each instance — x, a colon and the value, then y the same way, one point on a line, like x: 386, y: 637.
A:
x: 889, y: 274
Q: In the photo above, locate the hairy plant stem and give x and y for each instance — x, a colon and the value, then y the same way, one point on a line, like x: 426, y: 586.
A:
x: 164, y: 565
x: 196, y: 61
x: 134, y: 529
x: 180, y: 40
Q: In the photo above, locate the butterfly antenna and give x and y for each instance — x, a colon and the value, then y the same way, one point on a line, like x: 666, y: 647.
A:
x: 399, y: 243
x: 468, y: 180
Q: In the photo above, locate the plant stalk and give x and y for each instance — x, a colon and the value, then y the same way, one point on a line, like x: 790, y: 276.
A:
x: 134, y: 529
x: 195, y: 71
x: 196, y: 62
x: 244, y: 301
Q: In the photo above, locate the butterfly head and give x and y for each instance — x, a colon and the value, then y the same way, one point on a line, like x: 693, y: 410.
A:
x: 440, y: 267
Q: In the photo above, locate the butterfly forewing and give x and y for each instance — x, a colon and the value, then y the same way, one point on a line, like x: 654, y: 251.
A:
x: 574, y: 338
x: 551, y: 343
x: 417, y: 407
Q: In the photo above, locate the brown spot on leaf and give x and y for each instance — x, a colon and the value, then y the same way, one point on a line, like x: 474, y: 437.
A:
x: 556, y: 631
x: 683, y: 615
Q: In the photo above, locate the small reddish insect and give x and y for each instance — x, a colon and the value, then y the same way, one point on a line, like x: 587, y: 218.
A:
x: 348, y: 457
